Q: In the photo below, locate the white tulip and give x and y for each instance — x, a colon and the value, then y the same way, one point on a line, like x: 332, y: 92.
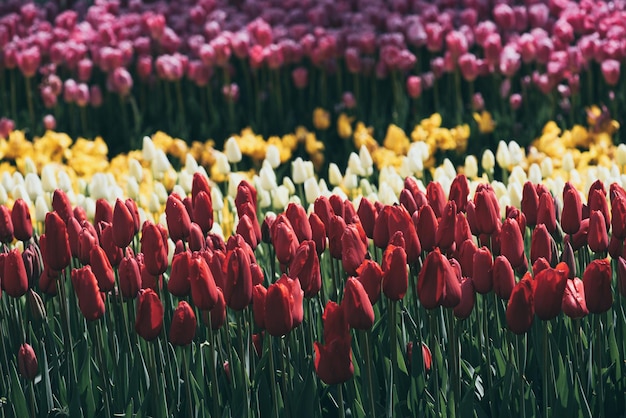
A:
x: 148, y: 151
x: 265, y: 199
x: 386, y: 195
x: 221, y: 163
x: 232, y: 150
x: 568, y: 162
x: 267, y: 176
x: 503, y: 155
x: 280, y: 197
x: 298, y: 171
x: 178, y: 190
x: 65, y: 182
x: 355, y: 165
x: 311, y: 190
x: 135, y: 170
x: 89, y: 205
x: 366, y: 160
x: 4, y: 196
x: 620, y: 154
x: 289, y: 185
x: 41, y: 208
x: 7, y: 181
x: 488, y: 161
x: 515, y: 194
x: 29, y: 166
x: 191, y: 165
x: 185, y: 181
x: 233, y: 183
x: 217, y: 198
x: 33, y: 185
x: 471, y: 167
x: 272, y: 156
x: 534, y: 173
x: 516, y: 153
x: 48, y: 178
x: 334, y: 175
x: 547, y: 168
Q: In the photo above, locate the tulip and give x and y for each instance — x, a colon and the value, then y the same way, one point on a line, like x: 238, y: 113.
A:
x: 357, y: 306
x: 104, y: 212
x: 520, y: 311
x: 618, y: 218
x: 452, y: 289
x: 278, y: 312
x: 549, y: 288
x: 154, y: 249
x: 482, y: 270
x: 27, y: 363
x: 574, y: 304
x: 305, y: 266
x: 400, y: 220
x: 299, y: 221
x: 178, y: 221
x: 123, y: 224
x: 406, y: 200
x: 367, y: 214
x: 431, y: 281
x: 149, y: 319
x: 546, y: 214
x: 436, y: 197
x: 179, y: 283
x: 183, y: 327
x: 503, y: 277
x: 129, y: 277
x: 203, y: 289
x: 102, y: 269
x: 468, y: 299
x: 333, y: 360
x: 447, y: 225
x: 246, y: 209
x: 14, y: 278
x: 487, y: 211
x: 323, y: 210
x: 427, y: 224
x: 530, y: 203
x: 381, y: 228
x: 621, y: 276
x: 512, y: 243
x: 462, y: 230
x: 245, y: 228
x: 597, y: 237
x: 56, y: 254
x: 540, y: 244
x: 216, y: 262
x: 90, y: 300
x: 61, y: 205
x: 197, y: 240
x: 245, y: 193
x: 259, y: 293
x: 597, y: 201
x: 22, y: 223
x: 540, y: 265
x: 465, y: 256
x: 597, y: 285
x: 203, y: 210
x: 218, y: 312
x: 86, y: 241
x: 113, y: 252
x: 238, y: 279
x: 395, y: 272
x: 318, y: 233
x: 572, y: 209
x: 353, y: 249
x: 284, y: 239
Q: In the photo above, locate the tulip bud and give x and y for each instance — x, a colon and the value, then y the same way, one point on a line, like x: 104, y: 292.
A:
x: 20, y: 218
x: 520, y: 311
x: 37, y: 307
x: 357, y: 306
x: 468, y: 298
x: 549, y: 288
x: 27, y: 362
x: 149, y: 319
x: 574, y: 304
x: 129, y: 277
x: 503, y: 277
x: 597, y: 284
x: 183, y: 328
x: 90, y: 300
x: 597, y: 237
x: 572, y: 209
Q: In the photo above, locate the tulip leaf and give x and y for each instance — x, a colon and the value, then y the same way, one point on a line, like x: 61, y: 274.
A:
x: 17, y: 395
x: 507, y: 388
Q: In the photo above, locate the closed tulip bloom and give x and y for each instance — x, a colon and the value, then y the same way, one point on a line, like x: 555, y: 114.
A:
x: 447, y: 226
x: 305, y: 266
x: 400, y: 220
x: 90, y: 300
x: 530, y: 203
x: 431, y: 280
x: 452, y: 289
x: 318, y: 233
x: 259, y: 292
x: 618, y: 218
x: 520, y: 311
x: 197, y: 240
x: 597, y: 201
x: 549, y: 288
x: 512, y: 243
x: 61, y: 205
x: 258, y: 276
x: 199, y: 183
x: 238, y: 283
x: 27, y: 363
x: 465, y: 256
x: 123, y: 224
x: 284, y: 239
x: 129, y: 277
x: 178, y: 221
x: 597, y: 237
x: 323, y: 210
x: 245, y: 228
x: 406, y: 200
x: 14, y: 278
x: 183, y: 327
x: 579, y: 239
x: 395, y: 272
x: 381, y: 228
x: 487, y: 211
x: 572, y: 209
x: 245, y: 193
x: 353, y: 249
x: 179, y: 283
x: 104, y: 211
x: 427, y: 224
x: 296, y: 299
x: 32, y: 263
x: 203, y: 211
x: 153, y: 249
x: 471, y: 218
x: 482, y: 271
x: 299, y: 221
x: 459, y: 192
x: 113, y: 252
x: 370, y: 274
x: 367, y: 214
x: 540, y: 245
x: 134, y: 211
x: 218, y: 312
x: 357, y: 306
x: 216, y: 262
x: 335, y: 232
x: 333, y: 360
x: 503, y: 277
x: 597, y: 283
x: 462, y: 230
x: 436, y: 197
x: 546, y: 214
x: 248, y: 209
x: 336, y: 202
x: 468, y: 299
x: 574, y: 304
x: 540, y: 265
x: 203, y: 289
x: 57, y: 254
x: 73, y: 230
x: 102, y: 269
x: 20, y: 218
x: 278, y: 312
x: 621, y: 276
x: 514, y: 213
x: 149, y: 320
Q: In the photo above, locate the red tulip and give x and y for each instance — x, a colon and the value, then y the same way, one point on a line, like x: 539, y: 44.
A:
x: 540, y: 265
x: 395, y: 272
x: 318, y: 233
x: 431, y: 281
x: 323, y: 209
x: 512, y: 243
x: 183, y: 327
x: 57, y: 254
x: 471, y: 218
x: 203, y: 289
x: 14, y: 278
x: 216, y: 262
x: 452, y: 290
x: 333, y: 360
x: 487, y: 210
x: 259, y: 292
x: 353, y: 249
x: 597, y: 282
x: 178, y: 221
x: 197, y: 240
x: 426, y: 355
x: 519, y: 217
x: 597, y: 201
x: 335, y: 232
x: 284, y: 239
x: 503, y: 277
x: 621, y: 276
x: 296, y: 296
x: 218, y: 312
x: 465, y: 255
x: 199, y: 184
x: 86, y: 241
x: 468, y: 299
x: 447, y: 226
x: 381, y: 227
x: 149, y: 320
x: 90, y: 300
x: 549, y: 288
x: 102, y: 269
x: 179, y: 283
x: 104, y: 212
x: 61, y: 205
x: 427, y: 224
x: 258, y: 276
x: 123, y: 224
x: 410, y: 183
x: 574, y: 304
x: 367, y: 214
x: 400, y: 220
x: 597, y: 237
x: 245, y: 228
x: 48, y: 279
x: 27, y: 363
x: 336, y: 202
x: 203, y: 211
x: 436, y: 197
x: 299, y: 221
x: 462, y: 230
x: 238, y: 283
x: 530, y: 203
x: 305, y: 266
x: 357, y: 306
x: 459, y: 192
x: 129, y: 277
x: 248, y: 210
x: 278, y: 312
x: 22, y: 223
x: 520, y: 311
x: 482, y: 271
x: 618, y: 217
x: 572, y: 209
x: 541, y: 245
x: 406, y: 200
x: 153, y: 249
x: 113, y: 252
x: 134, y: 211
x: 371, y: 276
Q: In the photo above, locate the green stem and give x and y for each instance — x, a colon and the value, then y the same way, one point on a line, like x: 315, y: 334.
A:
x: 433, y: 335
x: 342, y: 411
x: 599, y: 330
x: 545, y: 369
x: 273, y: 376
x: 487, y: 349
x: 393, y: 344
x: 99, y: 342
x: 188, y: 379
x: 520, y: 368
x: 368, y: 371
x: 454, y: 362
x: 212, y: 359
x: 284, y: 380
